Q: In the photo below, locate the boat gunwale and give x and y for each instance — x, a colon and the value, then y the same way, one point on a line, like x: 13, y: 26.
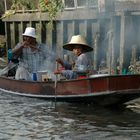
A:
x: 87, y: 78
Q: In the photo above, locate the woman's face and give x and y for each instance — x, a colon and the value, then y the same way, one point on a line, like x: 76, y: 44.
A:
x: 77, y: 50
x: 29, y: 40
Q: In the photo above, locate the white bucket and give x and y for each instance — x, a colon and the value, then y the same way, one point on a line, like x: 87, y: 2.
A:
x: 41, y: 74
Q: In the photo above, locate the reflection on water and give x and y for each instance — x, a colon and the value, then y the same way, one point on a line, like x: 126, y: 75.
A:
x: 24, y: 118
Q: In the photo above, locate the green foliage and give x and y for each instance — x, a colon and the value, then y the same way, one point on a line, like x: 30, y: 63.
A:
x: 43, y: 5
x: 49, y: 6
x: 7, y: 13
x: 20, y: 4
x: 52, y: 7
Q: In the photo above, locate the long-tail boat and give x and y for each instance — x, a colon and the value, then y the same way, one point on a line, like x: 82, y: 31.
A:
x: 97, y: 89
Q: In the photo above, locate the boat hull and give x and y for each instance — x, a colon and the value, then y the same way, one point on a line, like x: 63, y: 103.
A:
x: 104, y: 90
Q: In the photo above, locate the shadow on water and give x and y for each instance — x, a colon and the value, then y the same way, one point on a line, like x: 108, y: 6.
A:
x: 30, y: 118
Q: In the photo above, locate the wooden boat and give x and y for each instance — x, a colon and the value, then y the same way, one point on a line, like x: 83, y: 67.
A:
x: 96, y: 89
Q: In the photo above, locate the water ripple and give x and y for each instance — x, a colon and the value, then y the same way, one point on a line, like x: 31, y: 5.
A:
x: 24, y: 118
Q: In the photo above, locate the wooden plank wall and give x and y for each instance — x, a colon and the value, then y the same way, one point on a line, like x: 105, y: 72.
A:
x: 61, y: 34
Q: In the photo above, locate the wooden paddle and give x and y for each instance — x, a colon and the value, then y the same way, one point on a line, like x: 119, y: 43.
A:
x: 55, y: 83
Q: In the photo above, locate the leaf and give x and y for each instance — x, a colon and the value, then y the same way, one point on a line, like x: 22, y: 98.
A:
x: 8, y: 13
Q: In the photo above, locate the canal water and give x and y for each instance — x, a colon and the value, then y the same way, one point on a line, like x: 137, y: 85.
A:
x: 23, y: 118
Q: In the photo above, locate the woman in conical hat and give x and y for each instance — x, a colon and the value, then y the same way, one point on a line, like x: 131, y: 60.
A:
x: 77, y: 40
x: 79, y: 47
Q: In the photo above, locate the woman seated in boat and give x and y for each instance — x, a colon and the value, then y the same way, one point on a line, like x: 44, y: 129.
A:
x: 82, y: 64
x: 30, y: 54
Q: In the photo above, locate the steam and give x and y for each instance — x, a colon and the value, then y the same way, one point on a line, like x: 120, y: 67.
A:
x: 49, y: 63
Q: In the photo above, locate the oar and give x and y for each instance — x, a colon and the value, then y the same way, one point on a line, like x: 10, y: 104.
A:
x: 2, y: 60
x: 55, y: 83
x: 55, y: 87
x: 5, y: 70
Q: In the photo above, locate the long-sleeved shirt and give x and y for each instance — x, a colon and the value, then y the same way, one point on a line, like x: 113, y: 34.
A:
x: 82, y: 63
x: 32, y: 60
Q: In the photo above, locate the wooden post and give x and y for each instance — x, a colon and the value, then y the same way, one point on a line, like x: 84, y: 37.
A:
x: 110, y: 51
x: 5, y: 4
x: 96, y: 41
x: 59, y: 39
x: 122, y: 42
x: 112, y: 58
x: 6, y: 35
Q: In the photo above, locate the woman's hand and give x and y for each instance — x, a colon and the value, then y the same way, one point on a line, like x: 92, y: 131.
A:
x: 60, y: 61
x: 25, y: 44
x: 57, y: 72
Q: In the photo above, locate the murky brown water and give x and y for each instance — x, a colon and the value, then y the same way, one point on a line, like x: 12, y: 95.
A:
x: 24, y: 118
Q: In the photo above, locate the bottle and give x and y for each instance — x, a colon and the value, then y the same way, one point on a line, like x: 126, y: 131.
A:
x: 34, y: 76
x: 10, y: 55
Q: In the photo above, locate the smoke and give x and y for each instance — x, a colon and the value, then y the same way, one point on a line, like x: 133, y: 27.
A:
x: 49, y: 63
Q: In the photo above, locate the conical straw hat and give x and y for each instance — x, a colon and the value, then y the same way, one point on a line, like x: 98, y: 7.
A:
x: 77, y: 40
